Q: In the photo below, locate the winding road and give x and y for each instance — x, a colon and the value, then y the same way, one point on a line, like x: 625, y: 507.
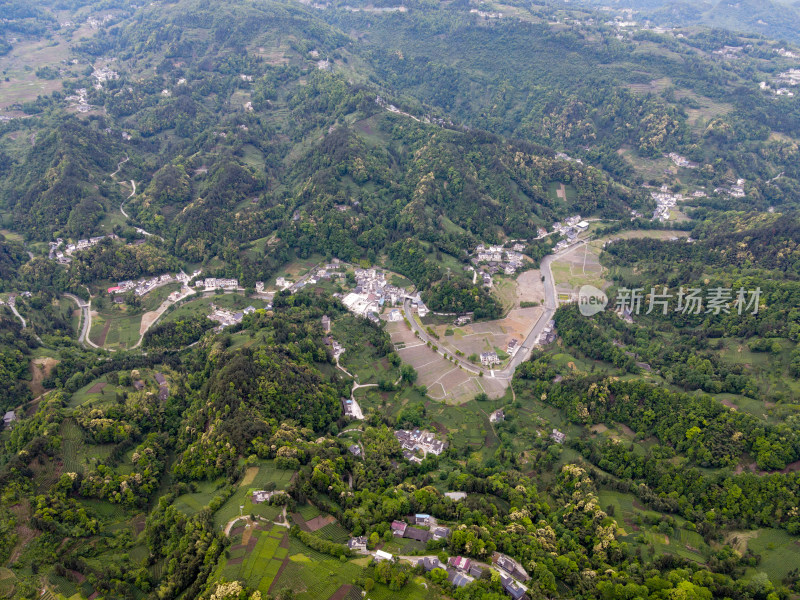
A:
x: 12, y: 304
x: 86, y: 320
x: 550, y: 306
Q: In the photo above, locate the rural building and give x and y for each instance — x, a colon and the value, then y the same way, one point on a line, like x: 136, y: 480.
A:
x: 489, y: 359
x: 355, y: 450
x: 512, y: 588
x: 326, y: 324
x: 430, y: 563
x: 359, y: 544
x: 460, y: 563
x: 381, y: 555
x: 458, y: 579
x: 422, y: 519
x: 557, y: 436
x: 510, y: 566
x: 440, y: 533
x: 399, y: 528
x: 497, y: 416
x: 9, y: 419
x: 420, y: 535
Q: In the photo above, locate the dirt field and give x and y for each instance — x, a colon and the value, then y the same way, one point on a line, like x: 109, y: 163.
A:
x: 579, y: 267
x: 444, y: 380
x: 97, y: 387
x: 40, y: 370
x: 319, y: 522
x: 489, y: 336
x: 530, y: 287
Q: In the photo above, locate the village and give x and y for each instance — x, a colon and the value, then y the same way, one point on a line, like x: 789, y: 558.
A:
x: 459, y: 570
x: 570, y: 229
x: 61, y: 251
x: 414, y: 442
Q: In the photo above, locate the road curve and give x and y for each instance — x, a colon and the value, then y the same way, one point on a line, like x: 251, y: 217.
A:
x: 550, y: 306
x: 86, y: 320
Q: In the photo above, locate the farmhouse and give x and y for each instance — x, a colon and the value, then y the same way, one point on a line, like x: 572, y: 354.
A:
x: 399, y: 528
x: 414, y: 533
x: 359, y: 544
x: 422, y: 519
x: 510, y: 566
x: 489, y: 359
x: 9, y: 419
x: 460, y: 563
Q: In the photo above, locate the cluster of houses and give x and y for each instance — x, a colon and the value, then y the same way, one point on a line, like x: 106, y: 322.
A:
x: 261, y: 496
x: 571, y: 228
x: 497, y: 258
x: 144, y: 286
x: 665, y: 202
x: 729, y: 52
x: 790, y: 77
x: 568, y: 158
x: 735, y: 191
x: 682, y: 161
x: 415, y: 441
x: 226, y: 317
x: 434, y: 532
x: 62, y: 256
x: 163, y: 386
x: 214, y: 283
x: 460, y: 571
x: 511, y: 573
x: 548, y: 335
x: 372, y: 293
x: 79, y: 100
x: 102, y: 75
x: 778, y: 91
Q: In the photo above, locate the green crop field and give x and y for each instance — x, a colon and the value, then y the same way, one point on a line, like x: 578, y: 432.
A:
x: 258, y: 568
x: 780, y: 553
x: 194, y: 502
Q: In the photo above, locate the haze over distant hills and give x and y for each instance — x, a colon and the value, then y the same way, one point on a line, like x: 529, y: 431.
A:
x: 778, y: 19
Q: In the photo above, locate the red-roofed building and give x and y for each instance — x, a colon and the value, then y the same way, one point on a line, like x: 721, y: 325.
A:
x: 116, y: 288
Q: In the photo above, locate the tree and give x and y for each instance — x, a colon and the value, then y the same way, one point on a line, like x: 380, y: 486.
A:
x: 408, y: 374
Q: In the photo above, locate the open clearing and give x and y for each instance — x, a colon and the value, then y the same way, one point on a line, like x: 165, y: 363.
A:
x: 578, y: 267
x: 444, y: 380
x: 40, y: 370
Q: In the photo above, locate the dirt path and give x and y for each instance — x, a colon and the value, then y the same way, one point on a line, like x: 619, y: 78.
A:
x: 149, y: 318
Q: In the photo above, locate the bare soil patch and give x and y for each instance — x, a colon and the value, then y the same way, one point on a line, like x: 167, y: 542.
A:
x: 319, y: 522
x: 97, y: 387
x: 102, y: 341
x: 341, y: 593
x: 40, y: 370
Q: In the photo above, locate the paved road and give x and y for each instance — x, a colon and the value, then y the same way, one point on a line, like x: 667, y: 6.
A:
x: 12, y: 304
x: 86, y: 320
x: 550, y: 306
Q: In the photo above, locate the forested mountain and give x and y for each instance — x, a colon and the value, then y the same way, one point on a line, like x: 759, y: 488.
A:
x: 251, y: 249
